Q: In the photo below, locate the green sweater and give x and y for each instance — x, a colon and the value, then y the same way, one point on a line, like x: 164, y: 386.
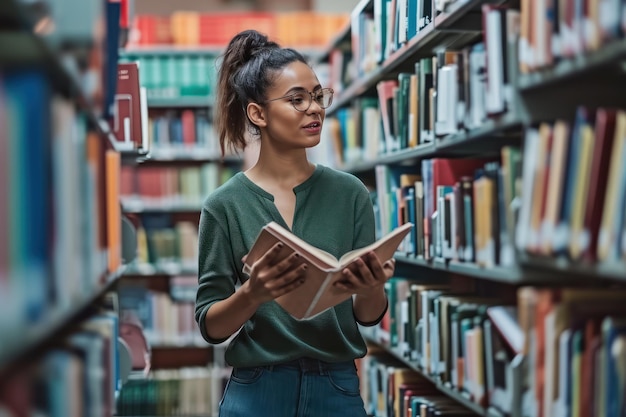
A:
x: 333, y: 212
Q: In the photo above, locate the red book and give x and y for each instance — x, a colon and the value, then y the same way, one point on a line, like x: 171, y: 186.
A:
x: 127, y: 110
x: 604, y: 136
x: 188, y: 121
x: 449, y: 171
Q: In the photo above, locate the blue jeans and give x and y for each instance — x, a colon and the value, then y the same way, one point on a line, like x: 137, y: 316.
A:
x: 301, y: 388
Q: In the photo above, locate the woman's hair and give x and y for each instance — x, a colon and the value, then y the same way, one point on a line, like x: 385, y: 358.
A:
x: 248, y: 68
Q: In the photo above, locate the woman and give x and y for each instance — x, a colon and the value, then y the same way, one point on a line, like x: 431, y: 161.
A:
x: 283, y: 367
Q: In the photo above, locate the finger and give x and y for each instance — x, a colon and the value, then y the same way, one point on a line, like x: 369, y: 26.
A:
x: 350, y: 279
x: 289, y: 287
x: 389, y: 268
x: 269, y: 257
x: 345, y: 285
x: 376, y: 267
x: 287, y: 279
x: 290, y: 262
x: 362, y: 270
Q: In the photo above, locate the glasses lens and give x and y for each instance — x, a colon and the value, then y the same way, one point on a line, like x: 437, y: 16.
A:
x: 324, y: 97
x: 301, y: 101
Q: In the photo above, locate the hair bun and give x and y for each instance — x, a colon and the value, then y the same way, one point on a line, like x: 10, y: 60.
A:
x: 250, y: 43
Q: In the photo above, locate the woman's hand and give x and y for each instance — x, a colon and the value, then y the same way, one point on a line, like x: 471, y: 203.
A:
x: 274, y: 274
x: 366, y: 275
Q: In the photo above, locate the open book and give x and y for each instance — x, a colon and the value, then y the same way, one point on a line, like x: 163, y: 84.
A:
x: 318, y: 291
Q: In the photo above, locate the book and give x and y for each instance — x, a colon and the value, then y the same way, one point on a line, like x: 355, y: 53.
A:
x: 318, y: 292
x: 127, y: 111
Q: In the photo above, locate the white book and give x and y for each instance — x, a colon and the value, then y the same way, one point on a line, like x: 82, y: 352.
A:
x: 495, y: 98
x: 447, y: 99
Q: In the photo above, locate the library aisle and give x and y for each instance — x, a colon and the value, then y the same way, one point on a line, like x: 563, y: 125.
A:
x: 498, y: 128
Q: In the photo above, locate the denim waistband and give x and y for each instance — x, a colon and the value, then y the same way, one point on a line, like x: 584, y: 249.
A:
x: 313, y: 365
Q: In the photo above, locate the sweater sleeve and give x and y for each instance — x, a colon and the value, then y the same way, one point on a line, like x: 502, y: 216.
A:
x: 216, y: 276
x: 364, y: 227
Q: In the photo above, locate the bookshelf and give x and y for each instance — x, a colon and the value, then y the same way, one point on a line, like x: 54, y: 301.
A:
x: 63, y: 242
x: 37, y: 339
x: 443, y: 388
x: 542, y: 90
x: 162, y: 194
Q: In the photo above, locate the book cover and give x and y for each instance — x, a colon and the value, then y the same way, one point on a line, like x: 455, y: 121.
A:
x: 127, y: 117
x: 318, y: 292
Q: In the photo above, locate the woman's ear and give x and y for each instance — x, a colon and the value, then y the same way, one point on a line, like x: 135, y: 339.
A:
x: 256, y: 114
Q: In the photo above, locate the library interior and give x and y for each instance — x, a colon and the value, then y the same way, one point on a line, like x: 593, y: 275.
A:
x: 474, y: 120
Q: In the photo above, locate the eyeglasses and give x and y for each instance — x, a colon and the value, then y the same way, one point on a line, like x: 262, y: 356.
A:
x: 302, y: 100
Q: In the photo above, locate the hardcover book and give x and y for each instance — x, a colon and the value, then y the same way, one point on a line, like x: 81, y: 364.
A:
x: 318, y: 291
x: 130, y: 109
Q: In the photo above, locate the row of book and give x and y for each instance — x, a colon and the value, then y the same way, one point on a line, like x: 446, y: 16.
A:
x: 145, y: 187
x: 356, y: 133
x: 377, y: 32
x: 188, y: 28
x: 452, y: 91
x: 534, y: 352
x: 389, y: 388
x: 166, y: 321
x: 175, y: 75
x: 461, y: 208
x: 165, y: 245
x: 182, y: 132
x: 563, y: 199
x: 458, y: 90
x: 60, y: 217
x: 76, y: 379
x: 552, y: 31
x: 574, y: 188
x: 174, y: 392
x: 541, y: 34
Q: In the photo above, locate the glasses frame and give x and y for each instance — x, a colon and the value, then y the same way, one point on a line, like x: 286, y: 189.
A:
x: 312, y: 96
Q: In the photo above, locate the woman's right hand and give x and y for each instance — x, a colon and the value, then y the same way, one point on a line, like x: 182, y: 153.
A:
x: 275, y: 274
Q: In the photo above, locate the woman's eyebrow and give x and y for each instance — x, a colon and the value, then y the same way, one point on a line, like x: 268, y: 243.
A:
x: 296, y: 90
x: 299, y: 89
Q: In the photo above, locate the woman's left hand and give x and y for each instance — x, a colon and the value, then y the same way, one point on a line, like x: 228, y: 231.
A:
x: 366, y: 275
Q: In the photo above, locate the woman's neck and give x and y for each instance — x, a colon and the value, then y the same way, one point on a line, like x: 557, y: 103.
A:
x: 287, y: 171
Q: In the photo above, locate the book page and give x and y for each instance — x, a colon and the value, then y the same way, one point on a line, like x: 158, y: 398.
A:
x: 384, y: 247
x: 318, y: 291
x: 310, y: 252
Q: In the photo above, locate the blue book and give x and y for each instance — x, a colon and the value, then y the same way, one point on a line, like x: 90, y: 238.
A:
x: 109, y: 69
x: 30, y: 209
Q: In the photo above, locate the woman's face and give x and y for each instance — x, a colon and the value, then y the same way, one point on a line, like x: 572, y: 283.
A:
x: 286, y: 126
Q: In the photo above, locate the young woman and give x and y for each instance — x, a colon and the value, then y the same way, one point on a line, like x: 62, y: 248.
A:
x: 283, y: 367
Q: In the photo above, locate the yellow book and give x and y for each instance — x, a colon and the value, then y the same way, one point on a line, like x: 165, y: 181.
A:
x: 541, y: 171
x: 556, y: 180
x: 607, y: 235
x: 577, y: 237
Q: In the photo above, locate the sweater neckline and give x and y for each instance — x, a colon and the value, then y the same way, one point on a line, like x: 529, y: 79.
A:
x: 297, y: 189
